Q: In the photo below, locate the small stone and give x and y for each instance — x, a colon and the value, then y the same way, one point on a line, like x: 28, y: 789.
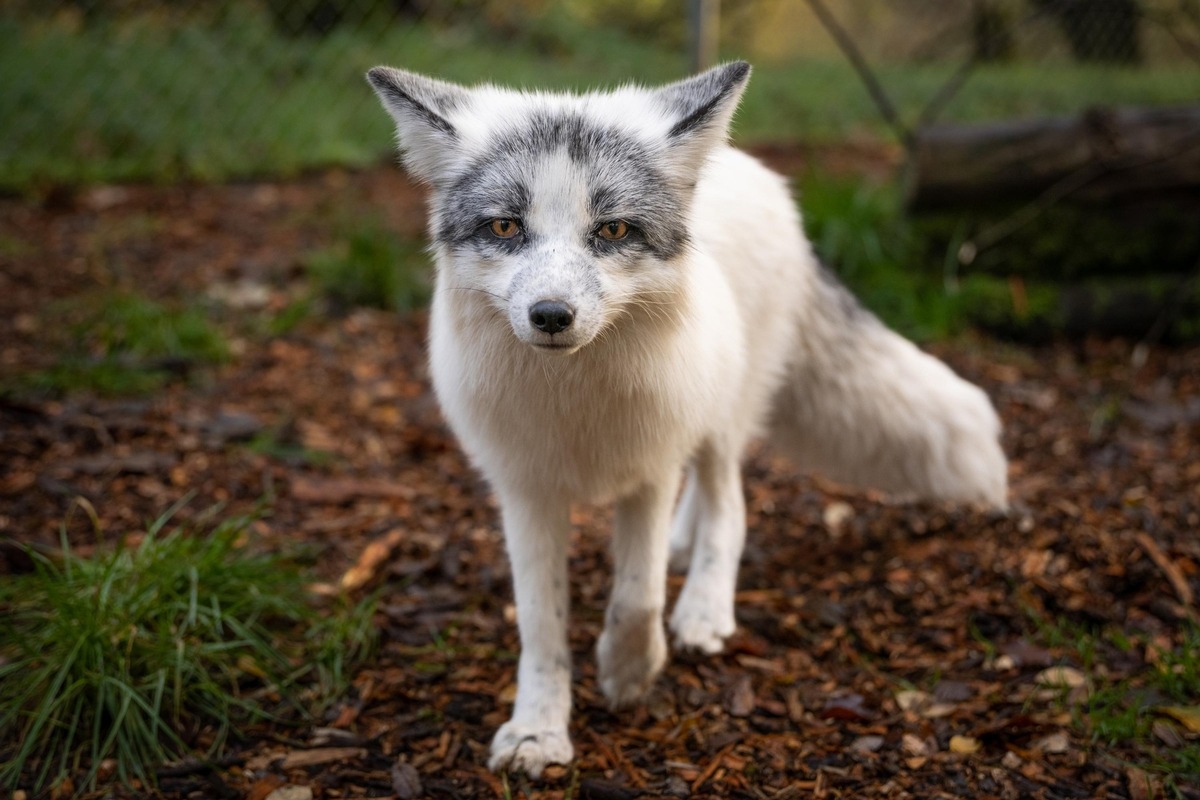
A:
x: 1061, y: 677
x: 914, y: 745
x: 406, y: 782
x: 677, y: 787
x: 291, y: 793
x: 937, y: 710
x: 1054, y: 743
x: 964, y: 744
x: 866, y: 744
x: 836, y: 515
x: 739, y: 698
x: 910, y: 699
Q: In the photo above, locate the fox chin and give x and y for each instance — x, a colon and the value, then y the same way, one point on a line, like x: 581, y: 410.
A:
x: 622, y: 303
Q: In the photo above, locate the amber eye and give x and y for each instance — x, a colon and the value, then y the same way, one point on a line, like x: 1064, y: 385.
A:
x: 614, y: 231
x: 504, y: 228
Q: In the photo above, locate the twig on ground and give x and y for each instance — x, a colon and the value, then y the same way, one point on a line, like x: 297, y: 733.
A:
x: 1174, y: 575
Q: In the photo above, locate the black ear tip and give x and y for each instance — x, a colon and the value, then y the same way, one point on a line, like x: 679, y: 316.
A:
x: 738, y: 70
x: 378, y: 76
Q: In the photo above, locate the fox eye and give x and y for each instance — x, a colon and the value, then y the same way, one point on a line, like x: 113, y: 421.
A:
x: 504, y: 228
x: 614, y: 231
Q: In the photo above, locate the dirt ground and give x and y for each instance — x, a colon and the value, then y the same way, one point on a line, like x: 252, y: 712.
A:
x: 884, y: 650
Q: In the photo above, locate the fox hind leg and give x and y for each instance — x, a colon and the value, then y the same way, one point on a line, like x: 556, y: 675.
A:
x: 704, y: 616
x: 683, y: 524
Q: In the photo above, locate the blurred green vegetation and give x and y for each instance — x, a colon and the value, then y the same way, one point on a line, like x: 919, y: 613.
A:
x: 154, y: 96
x: 859, y: 230
x: 117, y: 343
x: 1074, y: 271
x: 370, y: 266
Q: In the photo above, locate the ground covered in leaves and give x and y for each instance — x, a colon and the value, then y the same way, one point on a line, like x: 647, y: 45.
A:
x: 884, y: 650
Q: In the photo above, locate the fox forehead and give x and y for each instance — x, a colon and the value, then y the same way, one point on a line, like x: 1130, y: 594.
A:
x: 608, y: 167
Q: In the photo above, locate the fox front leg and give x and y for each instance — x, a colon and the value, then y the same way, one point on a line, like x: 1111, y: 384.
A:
x: 632, y: 649
x: 536, y: 531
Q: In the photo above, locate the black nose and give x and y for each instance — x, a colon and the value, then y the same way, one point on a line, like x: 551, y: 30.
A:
x: 551, y: 316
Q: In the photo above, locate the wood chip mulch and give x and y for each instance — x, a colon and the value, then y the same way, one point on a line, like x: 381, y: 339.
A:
x: 884, y: 650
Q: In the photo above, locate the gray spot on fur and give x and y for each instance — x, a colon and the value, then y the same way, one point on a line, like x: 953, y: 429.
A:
x: 838, y: 298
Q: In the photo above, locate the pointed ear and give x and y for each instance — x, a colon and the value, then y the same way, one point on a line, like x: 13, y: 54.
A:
x: 699, y: 110
x: 421, y: 106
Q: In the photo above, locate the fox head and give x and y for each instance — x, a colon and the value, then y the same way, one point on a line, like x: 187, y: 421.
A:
x: 561, y: 212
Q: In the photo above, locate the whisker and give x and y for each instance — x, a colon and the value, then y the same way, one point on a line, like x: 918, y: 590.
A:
x: 477, y: 289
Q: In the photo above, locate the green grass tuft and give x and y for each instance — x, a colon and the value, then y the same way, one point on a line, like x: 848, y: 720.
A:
x: 125, y: 655
x: 276, y: 443
x: 1122, y: 712
x: 125, y: 343
x: 371, y: 267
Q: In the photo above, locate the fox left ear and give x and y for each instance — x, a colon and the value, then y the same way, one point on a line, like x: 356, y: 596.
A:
x: 700, y: 109
x: 421, y: 107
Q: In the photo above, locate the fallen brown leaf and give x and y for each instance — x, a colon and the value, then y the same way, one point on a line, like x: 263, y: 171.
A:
x: 1169, y: 568
x: 369, y: 561
x: 406, y: 782
x: 336, y: 491
x: 1188, y: 716
x: 321, y: 755
x: 739, y: 698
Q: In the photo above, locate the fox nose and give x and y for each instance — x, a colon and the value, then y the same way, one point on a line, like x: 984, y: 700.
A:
x: 551, y: 316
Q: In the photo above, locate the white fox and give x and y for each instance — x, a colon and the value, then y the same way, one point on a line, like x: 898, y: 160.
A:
x: 623, y: 301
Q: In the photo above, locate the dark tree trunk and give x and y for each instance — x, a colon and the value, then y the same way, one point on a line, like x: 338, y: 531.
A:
x: 1099, y: 30
x: 992, y: 32
x: 1100, y: 155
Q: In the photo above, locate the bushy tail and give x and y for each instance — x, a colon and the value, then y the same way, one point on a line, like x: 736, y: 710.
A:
x: 865, y: 406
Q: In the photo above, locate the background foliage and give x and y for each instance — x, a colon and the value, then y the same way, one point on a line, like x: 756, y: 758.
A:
x: 99, y: 90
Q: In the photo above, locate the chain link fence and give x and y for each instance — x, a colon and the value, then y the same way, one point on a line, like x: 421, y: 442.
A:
x: 111, y: 90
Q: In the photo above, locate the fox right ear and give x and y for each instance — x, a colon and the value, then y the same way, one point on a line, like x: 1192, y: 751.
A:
x: 421, y: 107
x: 699, y: 110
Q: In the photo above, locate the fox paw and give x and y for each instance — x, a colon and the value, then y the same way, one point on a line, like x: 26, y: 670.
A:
x: 629, y: 658
x: 700, y: 626
x: 528, y: 749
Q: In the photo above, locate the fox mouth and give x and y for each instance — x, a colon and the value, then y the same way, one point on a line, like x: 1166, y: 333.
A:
x: 555, y: 346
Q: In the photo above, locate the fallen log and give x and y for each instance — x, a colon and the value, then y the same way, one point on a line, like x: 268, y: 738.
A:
x: 1101, y: 156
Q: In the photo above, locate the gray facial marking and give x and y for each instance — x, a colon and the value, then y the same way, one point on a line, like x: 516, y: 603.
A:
x: 464, y: 211
x: 625, y: 182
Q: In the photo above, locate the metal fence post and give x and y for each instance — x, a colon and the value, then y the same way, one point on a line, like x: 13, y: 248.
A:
x: 704, y: 20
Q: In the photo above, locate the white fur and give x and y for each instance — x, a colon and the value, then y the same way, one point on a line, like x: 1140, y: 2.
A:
x: 671, y: 365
